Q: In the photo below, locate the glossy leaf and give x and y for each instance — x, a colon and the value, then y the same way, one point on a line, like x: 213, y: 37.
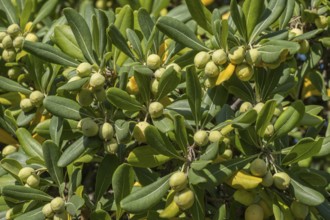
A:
x: 264, y: 117
x: 146, y: 157
x: 25, y: 193
x: 12, y: 86
x: 239, y: 18
x: 30, y: 146
x: 12, y: 166
x: 194, y: 93
x: 168, y: 82
x: 306, y: 195
x: 45, y: 10
x: 252, y: 10
x: 123, y: 100
x: 8, y: 8
x: 200, y: 14
x: 119, y: 41
x: 181, y: 132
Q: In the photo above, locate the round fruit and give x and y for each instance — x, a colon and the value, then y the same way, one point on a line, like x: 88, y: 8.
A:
x: 7, y: 42
x: 47, y: 211
x: 219, y: 57
x: 25, y: 172
x: 106, y: 131
x: 158, y: 73
x: 178, y: 181
x: 244, y: 197
x: 176, y: 67
x: 9, y: 55
x: 215, y: 136
x: 154, y: 87
x: 26, y: 105
x: 111, y: 146
x: 299, y: 210
x: 60, y: 216
x: 184, y: 199
x: 201, y: 138
x: 2, y: 35
x: 267, y: 180
x: 37, y: 98
x: 258, y: 167
x: 245, y: 107
x: 31, y: 37
x: 13, y: 73
x: 210, y: 82
x: 201, y: 59
x: 89, y: 128
x: 295, y: 32
x: 138, y: 132
x: 254, y: 212
x: 244, y: 72
x: 156, y: 109
x: 84, y: 69
x: 97, y: 80
x: 153, y: 61
x: 18, y: 42
x: 304, y: 47
x: 33, y: 180
x: 101, y: 4
x: 281, y: 180
x: 253, y: 57
x: 211, y: 70
x: 9, y: 149
x: 269, y: 130
x: 236, y: 55
x: 85, y: 97
x: 227, y: 154
x: 13, y: 30
x: 57, y: 205
x: 268, y: 211
x: 321, y: 22
x: 258, y: 107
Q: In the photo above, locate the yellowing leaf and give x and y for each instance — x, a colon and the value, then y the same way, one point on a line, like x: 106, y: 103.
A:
x: 225, y: 16
x: 309, y: 89
x: 242, y: 180
x: 207, y: 2
x: 6, y: 138
x: 11, y: 98
x: 225, y: 74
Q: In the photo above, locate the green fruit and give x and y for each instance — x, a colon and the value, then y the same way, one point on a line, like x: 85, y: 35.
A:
x: 9, y: 55
x: 18, y: 42
x: 281, y: 180
x: 106, y: 131
x: 245, y: 107
x: 7, y: 42
x: 175, y: 66
x: 138, y: 132
x: 57, y: 205
x: 268, y: 211
x: 210, y: 82
x: 244, y: 197
x: 158, y: 73
x: 156, y: 109
x: 178, y: 181
x: 85, y: 97
x: 184, y: 199
x: 236, y: 55
x: 258, y: 167
x: 31, y: 37
x: 25, y: 173
x: 97, y: 81
x: 304, y: 47
x: 13, y: 30
x: 219, y: 57
x: 254, y: 212
x: 269, y: 130
x: 153, y: 61
x: 267, y: 180
x: 36, y: 98
x: 321, y: 22
x: 201, y: 138
x: 9, y: 149
x: 201, y: 59
x: 89, y: 128
x: 253, y: 57
x: 60, y: 216
x: 111, y: 146
x: 154, y: 87
x: 47, y: 211
x: 2, y: 35
x: 244, y: 72
x: 211, y: 70
x: 14, y: 72
x: 101, y: 4
x: 227, y: 154
x: 299, y: 210
x: 26, y: 105
x: 258, y: 107
x: 295, y: 32
x: 33, y: 180
x: 84, y: 69
x: 215, y: 136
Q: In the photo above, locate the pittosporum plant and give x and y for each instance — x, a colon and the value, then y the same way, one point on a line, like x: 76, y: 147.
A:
x: 164, y: 109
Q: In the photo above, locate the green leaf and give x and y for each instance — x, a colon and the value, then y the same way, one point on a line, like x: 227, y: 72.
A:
x: 119, y: 41
x: 245, y: 120
x: 178, y: 31
x: 124, y: 20
x: 265, y: 116
x: 25, y: 193
x: 123, y: 100
x: 167, y: 83
x: 146, y: 197
x: 81, y: 32
x: 26, y: 13
x: 163, y: 123
x: 211, y: 152
x: 12, y: 86
x: 49, y: 53
x: 56, y: 129
x: 252, y: 9
x: 122, y: 184
x: 200, y: 14
x: 74, y: 85
x: 287, y: 14
x: 147, y: 26
x: 143, y: 82
x: 146, y: 157
x: 100, y: 214
x: 65, y: 108
x: 305, y: 148
x: 306, y: 195
x: 52, y: 154
x: 198, y: 208
x: 35, y: 214
x: 46, y: 9
x: 103, y: 24
x: 161, y: 143
x: 239, y: 18
x: 12, y: 166
x: 135, y: 42
x: 30, y: 146
x: 104, y: 175
x: 194, y: 93
x: 9, y: 9
x: 289, y: 118
x: 181, y: 133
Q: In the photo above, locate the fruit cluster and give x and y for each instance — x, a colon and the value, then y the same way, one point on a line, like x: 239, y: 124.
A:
x: 35, y: 100
x: 55, y: 209
x: 29, y: 177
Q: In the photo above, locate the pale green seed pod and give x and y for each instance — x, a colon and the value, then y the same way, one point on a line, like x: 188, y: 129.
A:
x: 33, y: 180
x: 111, y: 147
x: 211, y: 70
x: 9, y: 55
x: 201, y: 59
x: 106, y: 131
x: 219, y: 57
x: 18, y: 42
x: 24, y: 173
x: 47, y: 211
x: 97, y: 81
x: 2, y: 35
x: 7, y: 42
x: 244, y: 72
x: 7, y: 150
x: 13, y: 30
x: 153, y: 61
x: 159, y: 72
x: 156, y: 109
x: 26, y: 105
x: 178, y: 181
x: 175, y: 66
x: 236, y: 55
x: 253, y: 57
x: 201, y: 138
x: 184, y: 199
x: 57, y: 205
x: 138, y: 132
x: 36, y: 98
x: 31, y: 37
x: 14, y: 72
x: 84, y: 69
